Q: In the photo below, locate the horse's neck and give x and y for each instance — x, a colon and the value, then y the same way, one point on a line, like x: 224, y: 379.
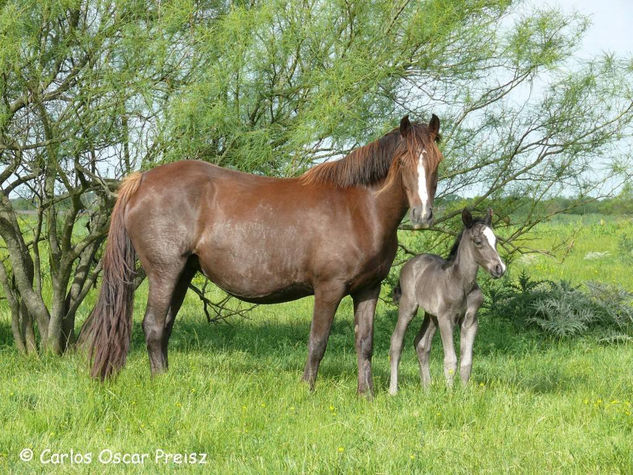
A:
x: 391, y: 203
x: 464, y: 266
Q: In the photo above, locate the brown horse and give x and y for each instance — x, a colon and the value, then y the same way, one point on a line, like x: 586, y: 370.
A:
x: 330, y: 232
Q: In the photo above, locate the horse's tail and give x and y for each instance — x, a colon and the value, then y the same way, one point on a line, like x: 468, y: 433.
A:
x: 109, y: 326
x: 396, y: 293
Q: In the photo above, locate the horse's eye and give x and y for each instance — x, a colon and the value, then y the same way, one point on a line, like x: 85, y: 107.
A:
x: 477, y: 242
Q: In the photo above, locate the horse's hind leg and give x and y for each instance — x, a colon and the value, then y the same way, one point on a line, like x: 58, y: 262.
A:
x: 468, y: 333
x: 162, y: 284
x: 176, y: 302
x: 407, y: 310
x: 422, y: 343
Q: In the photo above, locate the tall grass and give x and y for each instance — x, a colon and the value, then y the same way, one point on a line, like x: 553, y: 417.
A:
x: 233, y: 393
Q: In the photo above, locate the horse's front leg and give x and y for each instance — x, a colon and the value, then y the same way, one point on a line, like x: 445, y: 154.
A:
x: 468, y: 333
x: 326, y: 300
x: 445, y: 322
x: 364, y: 311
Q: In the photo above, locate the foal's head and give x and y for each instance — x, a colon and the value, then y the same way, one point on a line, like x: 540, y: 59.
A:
x: 418, y: 164
x: 483, y: 242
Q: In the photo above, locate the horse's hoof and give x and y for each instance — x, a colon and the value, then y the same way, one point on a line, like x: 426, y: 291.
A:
x: 367, y: 393
x: 307, y: 381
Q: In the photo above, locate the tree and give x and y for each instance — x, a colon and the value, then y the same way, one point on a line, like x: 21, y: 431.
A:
x: 92, y: 90
x: 82, y: 85
x: 311, y: 80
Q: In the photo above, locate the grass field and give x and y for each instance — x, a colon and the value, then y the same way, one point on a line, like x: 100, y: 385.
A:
x: 233, y: 393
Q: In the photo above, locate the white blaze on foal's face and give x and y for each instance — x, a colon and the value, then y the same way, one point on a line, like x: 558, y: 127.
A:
x: 490, y: 236
x: 492, y: 240
x: 422, y: 191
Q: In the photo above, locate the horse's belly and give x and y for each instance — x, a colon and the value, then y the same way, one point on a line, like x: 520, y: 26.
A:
x: 255, y: 270
x: 255, y: 284
x: 292, y: 292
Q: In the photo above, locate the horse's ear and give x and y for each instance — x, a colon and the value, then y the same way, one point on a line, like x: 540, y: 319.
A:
x: 434, y: 126
x: 467, y: 218
x: 488, y: 219
x: 405, y: 126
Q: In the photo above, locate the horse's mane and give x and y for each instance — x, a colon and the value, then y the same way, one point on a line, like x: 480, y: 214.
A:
x: 370, y: 164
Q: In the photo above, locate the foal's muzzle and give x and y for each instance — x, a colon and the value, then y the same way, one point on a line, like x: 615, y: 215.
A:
x: 421, y: 218
x: 498, y: 270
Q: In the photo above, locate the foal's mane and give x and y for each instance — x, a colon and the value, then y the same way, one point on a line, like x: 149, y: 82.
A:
x: 372, y: 163
x: 453, y: 252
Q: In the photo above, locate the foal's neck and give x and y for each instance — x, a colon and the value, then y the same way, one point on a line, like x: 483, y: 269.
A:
x: 464, y: 264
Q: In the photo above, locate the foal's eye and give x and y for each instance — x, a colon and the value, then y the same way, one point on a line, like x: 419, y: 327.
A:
x: 477, y: 242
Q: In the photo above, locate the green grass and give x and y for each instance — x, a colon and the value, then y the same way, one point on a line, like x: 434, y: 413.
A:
x: 589, y: 245
x: 233, y: 392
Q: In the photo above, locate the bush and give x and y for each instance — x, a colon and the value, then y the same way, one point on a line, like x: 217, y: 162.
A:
x: 562, y: 310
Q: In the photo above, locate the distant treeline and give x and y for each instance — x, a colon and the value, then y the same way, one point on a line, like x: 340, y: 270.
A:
x: 510, y: 205
x: 619, y: 205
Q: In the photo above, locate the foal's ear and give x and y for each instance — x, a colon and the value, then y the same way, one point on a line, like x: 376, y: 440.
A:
x: 467, y: 218
x: 405, y: 126
x: 434, y: 126
x: 488, y: 219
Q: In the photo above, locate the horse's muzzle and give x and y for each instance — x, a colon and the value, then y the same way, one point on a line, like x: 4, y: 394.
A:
x: 421, y: 218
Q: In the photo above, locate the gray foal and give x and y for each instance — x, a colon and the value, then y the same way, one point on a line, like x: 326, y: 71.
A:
x: 448, y: 292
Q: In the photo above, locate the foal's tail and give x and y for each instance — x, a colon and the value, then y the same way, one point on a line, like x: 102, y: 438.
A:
x: 109, y: 326
x: 396, y: 293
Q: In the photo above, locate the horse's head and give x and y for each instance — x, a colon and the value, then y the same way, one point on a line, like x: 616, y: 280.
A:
x: 418, y: 166
x: 483, y: 243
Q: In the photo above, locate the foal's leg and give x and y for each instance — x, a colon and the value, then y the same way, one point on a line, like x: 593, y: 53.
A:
x: 364, y: 311
x: 326, y: 300
x: 445, y: 322
x: 468, y: 333
x: 407, y: 310
x: 422, y: 343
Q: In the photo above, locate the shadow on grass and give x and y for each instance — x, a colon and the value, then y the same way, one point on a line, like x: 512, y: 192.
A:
x: 249, y: 345
x: 6, y: 335
x: 254, y: 344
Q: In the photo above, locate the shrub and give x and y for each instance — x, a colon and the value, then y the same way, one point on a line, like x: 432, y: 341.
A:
x: 561, y: 310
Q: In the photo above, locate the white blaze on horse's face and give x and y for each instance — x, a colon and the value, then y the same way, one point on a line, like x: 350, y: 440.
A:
x: 422, y: 191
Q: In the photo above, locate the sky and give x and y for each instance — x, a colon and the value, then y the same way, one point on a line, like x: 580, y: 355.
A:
x: 610, y: 31
x: 611, y: 28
